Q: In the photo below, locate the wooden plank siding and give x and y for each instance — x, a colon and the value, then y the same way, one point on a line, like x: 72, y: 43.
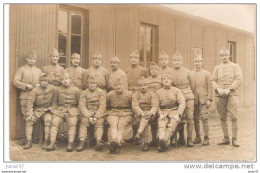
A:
x: 114, y: 30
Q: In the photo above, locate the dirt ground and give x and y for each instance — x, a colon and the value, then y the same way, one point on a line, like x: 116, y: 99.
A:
x: 129, y: 152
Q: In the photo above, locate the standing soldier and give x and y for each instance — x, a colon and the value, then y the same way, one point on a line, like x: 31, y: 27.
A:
x: 164, y: 62
x: 202, y: 101
x: 26, y: 78
x: 65, y: 108
x: 92, y: 105
x: 54, y: 70
x: 98, y: 71
x: 182, y: 79
x: 116, y: 73
x: 154, y: 83
x: 171, y: 107
x: 145, y: 106
x: 133, y: 75
x: 38, y: 107
x: 226, y: 80
x: 75, y: 71
x: 119, y: 103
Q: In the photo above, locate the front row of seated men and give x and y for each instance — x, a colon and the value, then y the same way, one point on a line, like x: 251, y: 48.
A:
x: 93, y: 106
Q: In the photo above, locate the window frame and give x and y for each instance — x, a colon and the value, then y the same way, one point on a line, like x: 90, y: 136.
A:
x: 154, y: 43
x: 84, y: 42
x: 234, y: 45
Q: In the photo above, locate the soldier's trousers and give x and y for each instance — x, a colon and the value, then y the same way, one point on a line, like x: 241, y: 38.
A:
x: 118, y: 125
x: 23, y: 106
x: 46, y: 117
x: 167, y: 126
x: 201, y: 112
x: 84, y: 124
x: 228, y: 106
x: 56, y: 121
x: 188, y: 112
x: 143, y: 129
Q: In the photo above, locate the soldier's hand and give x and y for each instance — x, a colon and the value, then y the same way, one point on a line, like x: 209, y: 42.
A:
x: 142, y: 114
x: 28, y: 119
x: 221, y: 92
x: 34, y: 119
x: 29, y: 86
x: 227, y: 91
x: 94, y: 120
x: 208, y: 103
x: 162, y: 116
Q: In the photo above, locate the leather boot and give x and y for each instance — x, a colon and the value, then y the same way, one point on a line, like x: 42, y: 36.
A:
x: 113, y: 146
x: 137, y: 137
x: 197, y: 140
x: 153, y: 143
x: 81, y: 146
x: 234, y: 142
x: 99, y: 146
x: 163, y: 145
x: 205, y: 141
x: 181, y: 141
x: 145, y: 147
x: 189, y: 142
x: 45, y: 145
x: 51, y: 147
x: 28, y: 144
x: 225, y: 141
x: 70, y: 147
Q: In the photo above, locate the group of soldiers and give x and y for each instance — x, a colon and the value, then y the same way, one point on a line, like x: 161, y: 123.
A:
x: 161, y: 97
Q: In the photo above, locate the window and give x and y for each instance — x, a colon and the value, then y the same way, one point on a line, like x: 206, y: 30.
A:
x: 148, y: 44
x: 232, y: 49
x: 69, y: 34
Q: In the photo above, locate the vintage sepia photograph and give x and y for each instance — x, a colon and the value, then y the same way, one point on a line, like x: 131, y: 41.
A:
x: 132, y: 82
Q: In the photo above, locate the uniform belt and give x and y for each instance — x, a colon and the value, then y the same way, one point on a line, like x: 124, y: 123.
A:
x: 146, y: 108
x: 115, y: 109
x: 68, y: 105
x: 169, y: 108
x: 182, y: 86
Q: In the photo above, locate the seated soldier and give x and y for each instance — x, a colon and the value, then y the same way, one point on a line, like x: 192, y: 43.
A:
x: 65, y: 108
x: 119, y: 103
x: 145, y: 106
x: 172, y: 105
x: 38, y: 108
x: 154, y: 83
x: 92, y: 106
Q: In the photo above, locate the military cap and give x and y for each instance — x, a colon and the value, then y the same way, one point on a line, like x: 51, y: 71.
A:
x: 177, y: 55
x: 92, y: 78
x: 32, y: 54
x: 44, y: 76
x: 75, y: 56
x: 163, y: 55
x: 153, y: 65
x: 118, y: 81
x: 115, y: 58
x: 142, y: 80
x: 224, y: 49
x: 54, y: 52
x: 199, y: 57
x: 97, y: 54
x: 135, y: 53
x: 65, y: 75
x: 165, y: 75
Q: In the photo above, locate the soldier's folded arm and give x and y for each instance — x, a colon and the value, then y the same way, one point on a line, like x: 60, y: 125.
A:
x: 191, y: 81
x: 102, y: 105
x: 18, y: 79
x: 82, y: 106
x: 135, y: 105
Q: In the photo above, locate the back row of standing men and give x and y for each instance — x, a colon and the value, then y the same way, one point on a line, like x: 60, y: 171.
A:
x: 162, y: 99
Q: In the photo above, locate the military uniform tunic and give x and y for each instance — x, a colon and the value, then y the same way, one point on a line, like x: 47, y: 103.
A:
x: 166, y: 71
x: 101, y: 74
x: 26, y: 75
x: 148, y: 104
x: 114, y: 75
x: 172, y: 105
x: 133, y: 75
x: 225, y: 76
x: 92, y: 103
x: 54, y: 73
x: 76, y: 75
x: 119, y: 113
x: 154, y: 83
